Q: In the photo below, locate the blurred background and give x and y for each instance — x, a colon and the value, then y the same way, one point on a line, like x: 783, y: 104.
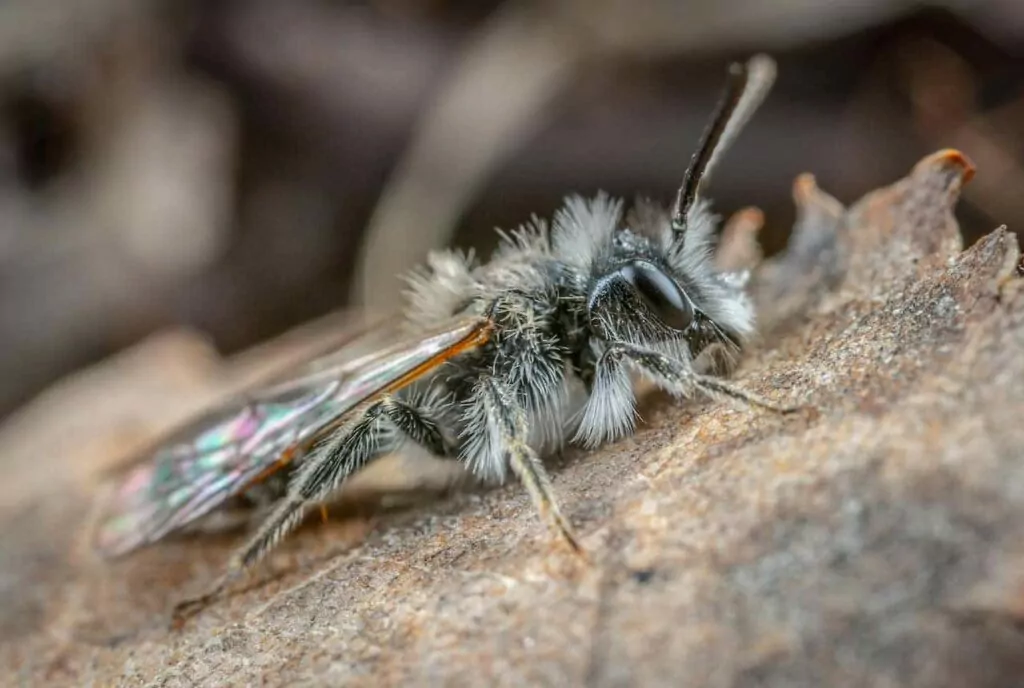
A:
x: 241, y: 167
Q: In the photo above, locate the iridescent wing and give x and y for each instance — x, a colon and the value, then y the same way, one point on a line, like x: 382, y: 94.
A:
x: 224, y: 452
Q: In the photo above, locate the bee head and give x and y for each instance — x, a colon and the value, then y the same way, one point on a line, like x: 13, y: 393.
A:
x: 636, y: 298
x: 655, y: 282
x: 658, y: 289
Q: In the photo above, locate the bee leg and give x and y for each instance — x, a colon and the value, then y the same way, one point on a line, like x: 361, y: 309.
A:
x: 679, y: 378
x: 513, y: 432
x: 417, y: 423
x: 531, y: 472
x: 322, y: 473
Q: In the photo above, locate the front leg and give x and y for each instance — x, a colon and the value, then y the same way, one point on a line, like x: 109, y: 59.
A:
x: 610, y: 412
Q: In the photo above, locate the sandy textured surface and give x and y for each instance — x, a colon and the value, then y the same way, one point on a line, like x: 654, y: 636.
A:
x: 879, y: 541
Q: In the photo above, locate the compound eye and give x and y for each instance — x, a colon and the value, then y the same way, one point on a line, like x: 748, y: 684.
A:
x: 660, y: 293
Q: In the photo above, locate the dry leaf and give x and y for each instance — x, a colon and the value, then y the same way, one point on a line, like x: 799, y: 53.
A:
x: 877, y: 542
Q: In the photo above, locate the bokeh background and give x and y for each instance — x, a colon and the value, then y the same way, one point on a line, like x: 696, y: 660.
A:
x: 241, y: 167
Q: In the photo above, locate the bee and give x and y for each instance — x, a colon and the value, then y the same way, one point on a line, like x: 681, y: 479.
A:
x: 485, y: 370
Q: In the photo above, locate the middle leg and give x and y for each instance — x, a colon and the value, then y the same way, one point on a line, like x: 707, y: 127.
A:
x: 504, y: 421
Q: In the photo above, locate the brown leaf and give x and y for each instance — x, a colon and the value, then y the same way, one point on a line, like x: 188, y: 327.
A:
x: 876, y: 543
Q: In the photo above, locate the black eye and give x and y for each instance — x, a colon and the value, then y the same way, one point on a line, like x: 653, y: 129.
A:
x: 660, y: 293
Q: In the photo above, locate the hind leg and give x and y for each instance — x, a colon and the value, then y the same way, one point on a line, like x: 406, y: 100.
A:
x: 322, y: 472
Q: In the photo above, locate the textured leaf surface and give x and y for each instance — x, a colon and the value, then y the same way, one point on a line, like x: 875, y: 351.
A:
x: 875, y: 542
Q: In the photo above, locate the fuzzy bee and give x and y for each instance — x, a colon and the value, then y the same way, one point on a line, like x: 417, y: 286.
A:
x: 486, y: 371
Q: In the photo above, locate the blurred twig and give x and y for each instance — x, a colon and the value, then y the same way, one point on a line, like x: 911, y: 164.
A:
x: 493, y: 99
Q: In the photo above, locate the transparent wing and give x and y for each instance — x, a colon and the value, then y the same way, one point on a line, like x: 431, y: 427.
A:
x: 220, y: 454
